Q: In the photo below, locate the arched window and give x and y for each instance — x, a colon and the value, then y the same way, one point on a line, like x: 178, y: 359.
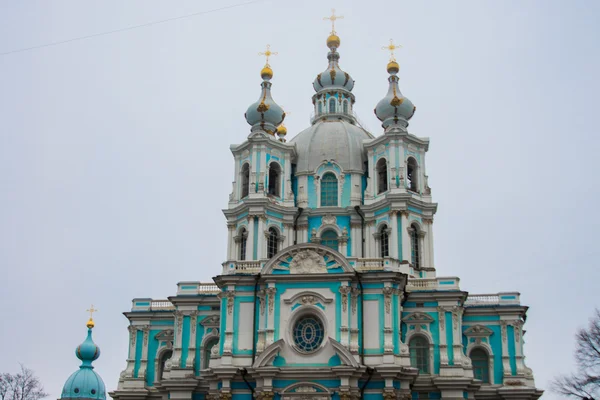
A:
x: 272, y: 242
x: 207, y: 351
x: 411, y: 174
x: 419, y: 354
x: 163, y: 359
x: 329, y: 190
x: 332, y: 105
x: 415, y: 251
x: 320, y: 107
x: 274, y: 180
x: 245, y: 180
x: 481, y: 365
x: 345, y: 106
x: 243, y: 240
x: 329, y: 238
x: 382, y: 177
x: 384, y: 242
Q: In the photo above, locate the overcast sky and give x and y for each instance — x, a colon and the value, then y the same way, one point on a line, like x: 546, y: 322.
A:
x: 115, y: 161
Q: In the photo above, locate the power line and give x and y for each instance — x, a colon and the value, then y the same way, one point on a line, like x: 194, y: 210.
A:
x: 130, y: 28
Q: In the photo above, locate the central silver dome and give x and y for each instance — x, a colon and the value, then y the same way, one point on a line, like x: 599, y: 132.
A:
x: 337, y: 140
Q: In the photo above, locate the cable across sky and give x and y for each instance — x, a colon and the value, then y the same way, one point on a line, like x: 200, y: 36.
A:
x: 129, y: 28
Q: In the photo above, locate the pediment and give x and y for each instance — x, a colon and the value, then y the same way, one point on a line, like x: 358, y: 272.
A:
x: 418, y: 317
x: 478, y: 330
x: 307, y: 258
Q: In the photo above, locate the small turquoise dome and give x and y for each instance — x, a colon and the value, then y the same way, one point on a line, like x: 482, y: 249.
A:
x: 264, y: 114
x: 394, y: 109
x: 85, y: 383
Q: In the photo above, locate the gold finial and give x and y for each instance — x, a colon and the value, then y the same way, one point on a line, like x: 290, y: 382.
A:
x: 333, y: 18
x: 90, y: 324
x: 268, y: 53
x: 391, y: 47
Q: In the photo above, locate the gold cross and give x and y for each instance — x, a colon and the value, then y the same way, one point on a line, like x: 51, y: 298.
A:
x: 333, y: 18
x: 391, y: 47
x: 268, y: 53
x: 91, y: 310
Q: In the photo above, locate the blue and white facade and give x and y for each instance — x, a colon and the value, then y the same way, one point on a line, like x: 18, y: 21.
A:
x: 329, y: 290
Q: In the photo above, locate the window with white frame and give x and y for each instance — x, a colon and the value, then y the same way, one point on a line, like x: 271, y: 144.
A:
x: 329, y: 190
x: 419, y: 354
x: 415, y: 253
x: 272, y: 242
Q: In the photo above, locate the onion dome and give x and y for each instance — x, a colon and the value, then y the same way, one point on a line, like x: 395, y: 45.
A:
x: 264, y: 114
x: 85, y: 383
x: 394, y: 110
x: 333, y: 77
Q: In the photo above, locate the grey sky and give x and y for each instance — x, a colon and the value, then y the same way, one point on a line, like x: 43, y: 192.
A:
x: 115, y: 162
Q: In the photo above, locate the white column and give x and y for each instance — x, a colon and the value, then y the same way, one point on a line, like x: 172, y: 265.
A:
x: 393, y: 238
x: 250, y: 239
x: 430, y: 243
x: 505, y: 358
x: 457, y: 347
x: 178, y: 336
x: 144, y: 360
x: 271, y: 293
x: 231, y: 247
x: 262, y: 234
x: 191, y: 357
x: 443, y: 342
x: 356, y: 239
x: 388, y: 340
x: 405, y: 236
x: 369, y: 239
x: 354, y: 321
x: 344, y: 328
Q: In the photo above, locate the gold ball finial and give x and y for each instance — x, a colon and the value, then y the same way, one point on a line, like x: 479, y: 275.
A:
x: 393, y: 67
x: 333, y: 41
x: 90, y: 324
x: 281, y: 130
x: 266, y: 72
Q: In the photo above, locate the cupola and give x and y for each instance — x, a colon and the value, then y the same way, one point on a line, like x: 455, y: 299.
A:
x: 394, y: 110
x: 264, y: 114
x: 85, y: 383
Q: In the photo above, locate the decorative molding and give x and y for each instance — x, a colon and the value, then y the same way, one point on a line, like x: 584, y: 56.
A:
x: 387, y: 296
x: 344, y: 291
x: 271, y: 293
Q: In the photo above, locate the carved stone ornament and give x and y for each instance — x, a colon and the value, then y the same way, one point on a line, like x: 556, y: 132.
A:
x: 229, y: 295
x: 271, y: 293
x: 329, y: 219
x: 262, y: 295
x: 132, y: 334
x: 344, y: 291
x: 387, y: 297
x: 503, y: 330
x: 307, y: 300
x: 267, y: 395
x: 354, y: 299
x: 389, y: 396
x: 146, y: 329
x: 518, y: 326
x: 307, y: 262
x: 478, y: 331
x: 442, y: 317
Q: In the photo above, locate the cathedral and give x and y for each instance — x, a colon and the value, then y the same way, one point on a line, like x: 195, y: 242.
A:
x: 329, y: 288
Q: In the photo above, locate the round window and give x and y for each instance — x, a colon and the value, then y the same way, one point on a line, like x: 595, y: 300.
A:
x: 308, y: 333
